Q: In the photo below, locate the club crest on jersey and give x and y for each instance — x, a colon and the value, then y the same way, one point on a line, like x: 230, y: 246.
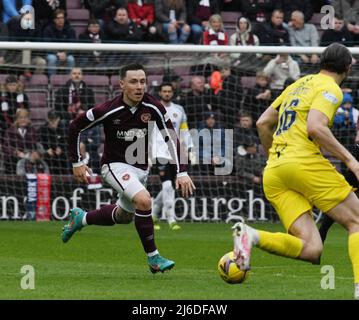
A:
x: 126, y: 177
x: 145, y: 117
x: 175, y: 115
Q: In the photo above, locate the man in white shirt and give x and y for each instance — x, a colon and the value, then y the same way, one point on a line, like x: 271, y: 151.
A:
x: 162, y: 158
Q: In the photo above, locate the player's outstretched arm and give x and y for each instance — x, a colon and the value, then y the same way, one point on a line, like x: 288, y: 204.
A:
x: 81, y: 173
x: 186, y: 185
x: 317, y: 127
x: 266, y: 125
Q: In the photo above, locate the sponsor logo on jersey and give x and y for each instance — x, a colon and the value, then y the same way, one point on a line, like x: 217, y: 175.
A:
x: 330, y: 97
x: 145, y: 117
x: 129, y: 135
x: 116, y: 121
x: 126, y: 177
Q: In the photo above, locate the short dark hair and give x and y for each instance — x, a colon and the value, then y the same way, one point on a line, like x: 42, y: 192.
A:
x: 336, y: 58
x: 92, y: 21
x: 57, y: 12
x: 130, y: 67
x: 165, y: 84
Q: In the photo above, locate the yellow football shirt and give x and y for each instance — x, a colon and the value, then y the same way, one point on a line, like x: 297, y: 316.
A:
x: 291, y: 141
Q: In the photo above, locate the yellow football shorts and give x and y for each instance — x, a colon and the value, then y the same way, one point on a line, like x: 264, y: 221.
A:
x: 294, y: 188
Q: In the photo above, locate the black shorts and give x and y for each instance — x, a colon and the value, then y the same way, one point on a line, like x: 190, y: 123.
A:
x: 166, y: 171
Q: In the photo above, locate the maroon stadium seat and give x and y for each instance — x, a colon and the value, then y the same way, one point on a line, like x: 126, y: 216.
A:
x: 59, y: 80
x: 80, y: 28
x: 75, y: 15
x: 114, y: 82
x: 96, y: 81
x: 38, y: 116
x: 230, y: 17
x: 73, y: 4
x: 154, y: 80
x: 37, y: 81
x: 38, y: 98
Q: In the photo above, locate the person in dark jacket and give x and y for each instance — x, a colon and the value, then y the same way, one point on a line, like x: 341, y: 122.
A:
x: 73, y: 96
x: 273, y: 32
x: 122, y: 29
x: 13, y: 98
x: 59, y: 31
x: 199, y: 13
x: 53, y: 138
x: 288, y: 6
x: 340, y: 34
x: 20, y: 141
x: 93, y: 34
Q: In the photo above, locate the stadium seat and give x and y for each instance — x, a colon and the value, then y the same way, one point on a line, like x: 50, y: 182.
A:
x: 59, y: 80
x: 76, y: 15
x: 96, y: 81
x: 114, y: 83
x: 81, y: 28
x: 38, y: 98
x: 37, y: 81
x: 316, y: 19
x: 3, y: 77
x: 230, y: 17
x: 186, y: 81
x: 154, y: 80
x: 38, y: 116
x: 73, y: 4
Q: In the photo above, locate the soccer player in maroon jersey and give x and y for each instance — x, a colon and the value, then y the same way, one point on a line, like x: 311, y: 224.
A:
x: 125, y: 120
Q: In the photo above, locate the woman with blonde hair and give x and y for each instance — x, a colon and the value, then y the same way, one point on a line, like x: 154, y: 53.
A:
x: 215, y: 35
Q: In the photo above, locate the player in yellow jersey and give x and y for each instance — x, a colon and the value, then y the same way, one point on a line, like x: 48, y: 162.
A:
x: 297, y: 176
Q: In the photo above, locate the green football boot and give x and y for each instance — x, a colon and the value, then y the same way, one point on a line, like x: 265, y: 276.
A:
x: 159, y: 264
x: 75, y: 224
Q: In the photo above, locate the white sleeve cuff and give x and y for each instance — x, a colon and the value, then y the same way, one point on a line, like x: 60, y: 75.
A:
x: 182, y: 174
x: 78, y: 164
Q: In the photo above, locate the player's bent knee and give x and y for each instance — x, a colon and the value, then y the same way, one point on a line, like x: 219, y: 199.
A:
x: 312, y: 252
x: 123, y: 217
x: 143, y: 201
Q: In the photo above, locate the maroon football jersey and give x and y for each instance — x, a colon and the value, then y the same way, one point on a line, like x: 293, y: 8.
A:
x: 127, y: 131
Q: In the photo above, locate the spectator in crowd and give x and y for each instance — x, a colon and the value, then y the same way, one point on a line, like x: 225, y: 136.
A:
x: 273, y: 32
x: 90, y: 143
x: 227, y: 87
x: 104, y: 10
x: 243, y: 129
x: 122, y: 29
x: 346, y: 115
x: 20, y: 141
x: 249, y: 165
x: 34, y: 164
x: 349, y: 10
x: 340, y: 34
x: 142, y: 13
x: 257, y: 11
x: 199, y: 12
x: 244, y: 37
x: 13, y: 98
x: 11, y: 8
x: 289, y: 6
x: 59, y: 31
x: 53, y: 138
x: 303, y: 34
x: 279, y: 69
x: 259, y: 97
x: 175, y: 81
x: 171, y: 19
x: 44, y: 11
x: 17, y: 32
x: 214, y: 156
x: 198, y: 101
x: 73, y: 96
x: 215, y: 35
x: 93, y: 34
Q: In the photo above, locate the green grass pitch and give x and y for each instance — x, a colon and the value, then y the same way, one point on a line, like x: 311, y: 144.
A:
x: 109, y: 263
